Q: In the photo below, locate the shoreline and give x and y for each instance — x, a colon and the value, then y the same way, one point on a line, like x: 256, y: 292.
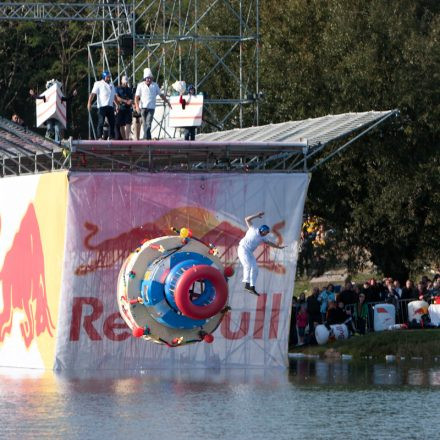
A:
x: 395, y: 345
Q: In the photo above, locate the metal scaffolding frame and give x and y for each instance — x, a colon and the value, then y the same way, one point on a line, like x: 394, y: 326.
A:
x: 170, y: 37
x: 294, y: 146
x: 175, y: 35
x: 62, y: 11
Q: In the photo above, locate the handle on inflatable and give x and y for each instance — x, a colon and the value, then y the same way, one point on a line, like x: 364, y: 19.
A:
x: 182, y: 297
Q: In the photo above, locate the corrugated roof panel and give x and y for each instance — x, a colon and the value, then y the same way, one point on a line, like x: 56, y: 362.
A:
x: 316, y: 130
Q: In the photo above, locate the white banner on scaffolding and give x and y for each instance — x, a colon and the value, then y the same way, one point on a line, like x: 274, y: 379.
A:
x: 109, y: 214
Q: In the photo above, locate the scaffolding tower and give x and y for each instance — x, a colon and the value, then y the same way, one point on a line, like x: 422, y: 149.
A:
x: 213, y: 44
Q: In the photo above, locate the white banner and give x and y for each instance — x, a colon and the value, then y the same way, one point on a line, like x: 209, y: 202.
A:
x: 109, y: 214
x: 52, y: 107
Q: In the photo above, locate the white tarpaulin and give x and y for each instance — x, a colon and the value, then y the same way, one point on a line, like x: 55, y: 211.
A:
x: 110, y: 214
x: 187, y: 114
x: 53, y: 107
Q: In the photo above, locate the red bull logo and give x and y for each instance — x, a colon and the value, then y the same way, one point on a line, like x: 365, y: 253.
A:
x: 23, y: 283
x: 225, y: 235
x: 89, y: 320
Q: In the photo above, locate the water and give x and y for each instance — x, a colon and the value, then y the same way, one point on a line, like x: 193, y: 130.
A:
x: 315, y: 399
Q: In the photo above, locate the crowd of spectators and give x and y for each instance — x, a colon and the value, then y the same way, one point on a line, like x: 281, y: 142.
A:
x: 352, y: 305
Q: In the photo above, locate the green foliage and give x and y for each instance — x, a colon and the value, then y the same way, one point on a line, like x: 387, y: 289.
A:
x: 344, y: 55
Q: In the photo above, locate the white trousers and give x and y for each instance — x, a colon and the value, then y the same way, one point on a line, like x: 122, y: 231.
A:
x: 250, y: 266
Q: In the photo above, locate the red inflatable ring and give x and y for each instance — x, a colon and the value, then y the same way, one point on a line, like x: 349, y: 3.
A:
x: 186, y: 280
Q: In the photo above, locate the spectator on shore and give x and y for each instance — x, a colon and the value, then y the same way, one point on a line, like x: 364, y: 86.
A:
x: 391, y: 296
x: 360, y: 314
x: 435, y: 289
x: 313, y: 310
x: 293, y: 335
x: 409, y: 292
x: 422, y: 291
x: 105, y: 94
x: 302, y: 300
x: 347, y: 295
x: 336, y: 313
x: 397, y: 288
x: 301, y: 320
x: 374, y: 291
x: 324, y: 297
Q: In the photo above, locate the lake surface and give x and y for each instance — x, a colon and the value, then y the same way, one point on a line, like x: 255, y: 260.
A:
x: 314, y: 399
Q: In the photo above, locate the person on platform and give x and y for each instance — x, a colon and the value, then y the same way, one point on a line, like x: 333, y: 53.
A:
x: 54, y: 129
x: 105, y: 94
x: 124, y: 95
x: 16, y: 118
x: 145, y: 100
x: 253, y: 238
x: 189, y: 132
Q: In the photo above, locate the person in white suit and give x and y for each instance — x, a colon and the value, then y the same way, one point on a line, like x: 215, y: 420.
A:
x: 253, y: 238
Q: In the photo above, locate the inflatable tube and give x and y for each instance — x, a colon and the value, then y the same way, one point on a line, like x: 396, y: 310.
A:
x: 182, y: 297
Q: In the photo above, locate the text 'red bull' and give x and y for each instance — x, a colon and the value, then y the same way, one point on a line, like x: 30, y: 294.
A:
x: 23, y: 283
x: 87, y: 312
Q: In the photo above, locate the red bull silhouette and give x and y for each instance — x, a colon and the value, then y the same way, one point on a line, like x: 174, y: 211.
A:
x: 113, y: 251
x: 23, y: 283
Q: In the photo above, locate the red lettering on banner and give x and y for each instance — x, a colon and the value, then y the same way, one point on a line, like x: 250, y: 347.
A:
x: 259, y: 316
x: 75, y: 324
x: 115, y: 322
x: 242, y: 330
x: 111, y: 324
x: 275, y: 316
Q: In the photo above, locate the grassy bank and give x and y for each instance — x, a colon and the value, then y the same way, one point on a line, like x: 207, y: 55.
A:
x: 401, y: 343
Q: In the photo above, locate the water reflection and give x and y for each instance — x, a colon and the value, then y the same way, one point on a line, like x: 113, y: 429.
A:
x: 363, y: 374
x: 313, y: 399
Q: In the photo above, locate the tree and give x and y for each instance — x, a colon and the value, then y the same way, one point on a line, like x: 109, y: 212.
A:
x: 382, y: 194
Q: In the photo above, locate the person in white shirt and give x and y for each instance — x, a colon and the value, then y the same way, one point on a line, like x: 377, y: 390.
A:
x: 105, y: 94
x: 145, y: 100
x: 253, y: 238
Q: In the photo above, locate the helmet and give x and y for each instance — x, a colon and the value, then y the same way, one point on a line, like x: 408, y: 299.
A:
x: 264, y: 228
x: 105, y: 74
x: 51, y: 82
x: 148, y: 73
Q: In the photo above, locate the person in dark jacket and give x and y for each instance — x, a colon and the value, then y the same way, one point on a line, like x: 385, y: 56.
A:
x: 313, y: 309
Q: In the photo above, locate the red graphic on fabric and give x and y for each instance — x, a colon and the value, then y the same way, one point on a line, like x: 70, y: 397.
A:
x: 381, y: 310
x: 225, y: 236
x: 242, y: 326
x: 86, y: 311
x: 421, y: 311
x: 23, y: 283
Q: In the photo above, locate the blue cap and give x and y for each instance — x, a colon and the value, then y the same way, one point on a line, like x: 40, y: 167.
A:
x: 105, y: 74
x: 263, y: 228
x: 191, y: 86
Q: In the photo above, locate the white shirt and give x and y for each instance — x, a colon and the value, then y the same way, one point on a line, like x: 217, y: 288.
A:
x: 147, y: 94
x: 105, y: 93
x: 252, y: 239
